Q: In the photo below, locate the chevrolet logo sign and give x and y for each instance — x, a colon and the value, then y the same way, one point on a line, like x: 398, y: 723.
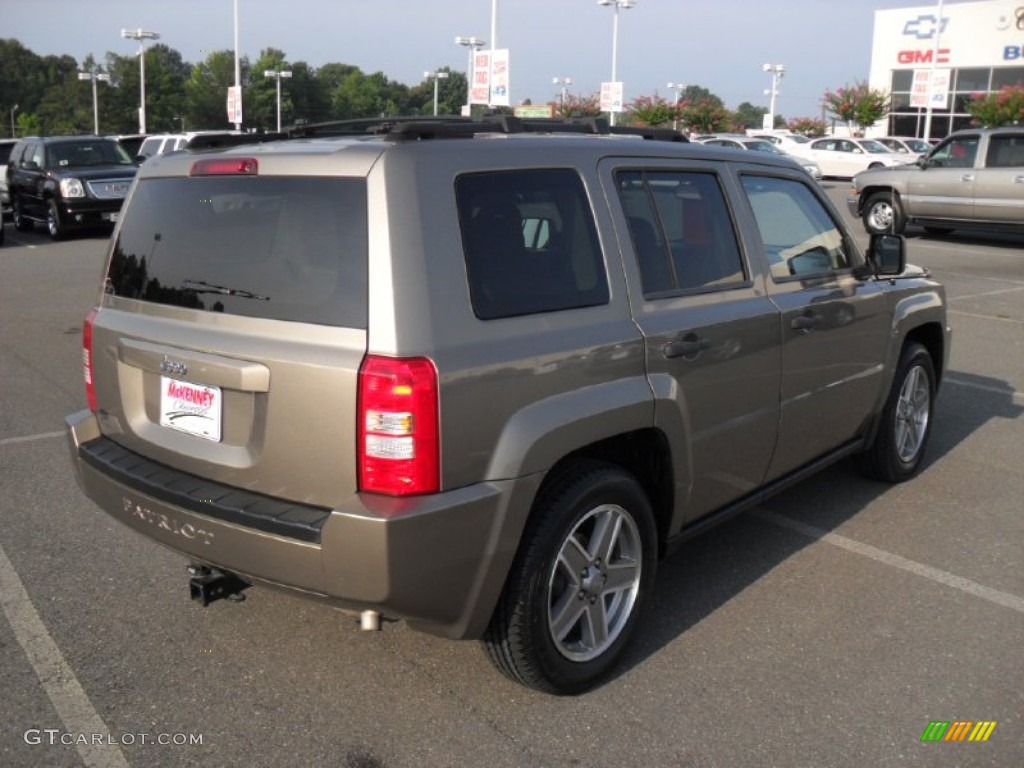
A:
x: 924, y: 26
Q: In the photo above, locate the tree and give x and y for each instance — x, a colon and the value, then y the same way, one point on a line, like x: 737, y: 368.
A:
x: 706, y: 116
x: 206, y: 91
x: 860, y: 104
x: 260, y: 99
x: 579, y: 105
x: 653, y: 111
x: 807, y: 126
x: 1003, y: 108
x: 748, y: 116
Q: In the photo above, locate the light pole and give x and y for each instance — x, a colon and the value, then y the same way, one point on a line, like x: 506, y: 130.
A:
x: 565, y: 82
x: 473, y: 44
x: 678, y: 88
x: 13, y: 110
x: 616, y: 4
x: 438, y: 75
x: 95, y: 101
x: 142, y: 35
x: 277, y: 75
x: 777, y: 70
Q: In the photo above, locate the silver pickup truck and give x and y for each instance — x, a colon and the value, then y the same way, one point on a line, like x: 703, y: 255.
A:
x: 974, y: 179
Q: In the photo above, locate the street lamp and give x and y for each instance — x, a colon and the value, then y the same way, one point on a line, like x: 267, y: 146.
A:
x: 678, y: 88
x: 142, y: 35
x: 13, y: 110
x: 777, y: 70
x: 565, y: 82
x: 626, y: 4
x: 95, y: 101
x: 473, y: 44
x: 277, y: 75
x: 438, y: 75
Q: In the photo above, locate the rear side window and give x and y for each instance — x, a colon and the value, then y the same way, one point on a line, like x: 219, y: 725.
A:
x: 275, y: 247
x: 530, y: 242
x: 800, y: 238
x: 1005, y: 151
x: 681, y: 230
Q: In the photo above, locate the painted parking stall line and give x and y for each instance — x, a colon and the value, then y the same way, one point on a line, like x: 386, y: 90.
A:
x: 30, y: 438
x: 56, y: 676
x: 1004, y: 599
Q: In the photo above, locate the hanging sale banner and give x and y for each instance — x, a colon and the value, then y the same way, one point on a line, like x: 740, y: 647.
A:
x: 480, y: 80
x: 500, y: 78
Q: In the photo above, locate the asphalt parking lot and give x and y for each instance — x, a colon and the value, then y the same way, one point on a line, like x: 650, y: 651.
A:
x: 827, y: 628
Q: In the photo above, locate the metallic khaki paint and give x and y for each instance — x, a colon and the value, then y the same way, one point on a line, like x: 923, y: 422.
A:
x: 517, y: 395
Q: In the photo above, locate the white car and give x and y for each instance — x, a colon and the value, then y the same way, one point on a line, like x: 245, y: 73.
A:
x: 764, y: 145
x: 845, y: 158
x: 906, y: 145
x: 790, y: 143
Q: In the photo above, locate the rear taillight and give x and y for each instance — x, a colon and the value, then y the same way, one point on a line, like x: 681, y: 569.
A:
x: 399, y: 450
x: 90, y: 386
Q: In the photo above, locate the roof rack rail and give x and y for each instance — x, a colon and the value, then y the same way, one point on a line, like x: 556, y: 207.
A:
x: 419, y: 128
x: 217, y: 140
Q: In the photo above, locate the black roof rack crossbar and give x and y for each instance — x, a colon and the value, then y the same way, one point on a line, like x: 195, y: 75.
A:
x: 216, y: 140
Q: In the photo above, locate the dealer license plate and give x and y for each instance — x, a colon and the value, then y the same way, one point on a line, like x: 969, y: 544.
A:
x: 192, y: 408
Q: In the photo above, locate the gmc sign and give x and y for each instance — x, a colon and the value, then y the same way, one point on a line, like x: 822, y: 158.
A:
x: 923, y: 57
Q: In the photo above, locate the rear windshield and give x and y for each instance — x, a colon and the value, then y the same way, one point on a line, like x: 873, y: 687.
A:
x: 275, y: 247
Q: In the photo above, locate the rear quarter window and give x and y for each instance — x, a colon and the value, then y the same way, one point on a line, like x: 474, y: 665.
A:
x: 530, y: 242
x: 275, y: 247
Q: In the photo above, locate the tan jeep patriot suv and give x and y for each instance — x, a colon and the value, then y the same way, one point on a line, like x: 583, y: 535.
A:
x: 482, y: 375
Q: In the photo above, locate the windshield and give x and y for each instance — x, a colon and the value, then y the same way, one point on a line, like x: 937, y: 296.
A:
x: 763, y: 146
x: 917, y: 145
x: 275, y: 247
x: 81, y: 154
x: 874, y: 147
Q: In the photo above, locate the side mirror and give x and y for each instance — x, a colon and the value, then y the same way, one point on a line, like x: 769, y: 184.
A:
x: 887, y: 254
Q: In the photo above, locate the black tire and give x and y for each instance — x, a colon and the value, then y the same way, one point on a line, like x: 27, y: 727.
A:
x: 895, y: 454
x: 21, y: 223
x: 938, y: 231
x: 54, y: 224
x: 566, y: 578
x: 883, y: 214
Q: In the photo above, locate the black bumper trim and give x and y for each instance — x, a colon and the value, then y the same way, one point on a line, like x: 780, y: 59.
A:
x: 195, y: 494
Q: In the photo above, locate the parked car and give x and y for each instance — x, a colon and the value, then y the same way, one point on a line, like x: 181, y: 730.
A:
x: 67, y: 182
x: 6, y: 145
x: 974, y: 179
x: 131, y: 142
x: 741, y: 141
x: 161, y: 143
x: 905, y: 145
x: 844, y: 158
x: 787, y: 142
x: 483, y: 386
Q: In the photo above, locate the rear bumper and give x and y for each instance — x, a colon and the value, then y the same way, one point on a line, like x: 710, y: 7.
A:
x: 437, y: 561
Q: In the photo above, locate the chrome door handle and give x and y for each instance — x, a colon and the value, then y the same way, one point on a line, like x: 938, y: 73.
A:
x: 967, y: 177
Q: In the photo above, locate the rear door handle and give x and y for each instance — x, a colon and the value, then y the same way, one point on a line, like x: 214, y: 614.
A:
x: 806, y: 322
x: 687, y: 348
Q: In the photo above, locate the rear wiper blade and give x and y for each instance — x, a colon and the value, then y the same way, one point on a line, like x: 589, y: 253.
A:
x: 205, y: 287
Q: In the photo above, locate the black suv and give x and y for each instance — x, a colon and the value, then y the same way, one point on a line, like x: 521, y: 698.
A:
x: 67, y: 182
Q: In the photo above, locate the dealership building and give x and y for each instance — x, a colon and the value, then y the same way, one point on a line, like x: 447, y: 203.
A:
x: 976, y: 49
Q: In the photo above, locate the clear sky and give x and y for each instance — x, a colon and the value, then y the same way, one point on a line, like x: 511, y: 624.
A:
x: 718, y: 44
